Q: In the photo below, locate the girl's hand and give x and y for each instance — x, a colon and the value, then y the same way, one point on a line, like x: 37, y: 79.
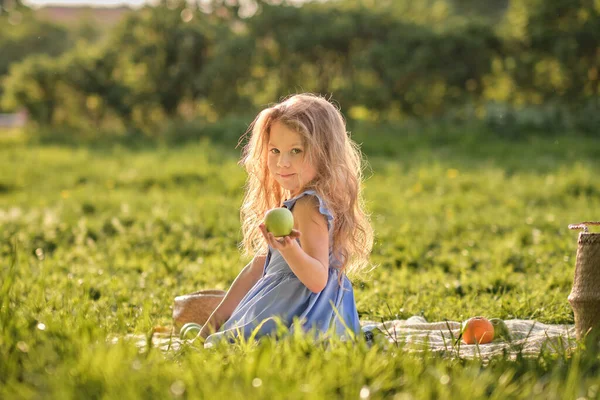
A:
x: 283, y: 243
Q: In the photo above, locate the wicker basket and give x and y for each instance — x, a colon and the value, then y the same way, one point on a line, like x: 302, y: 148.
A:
x: 196, y: 307
x: 585, y: 295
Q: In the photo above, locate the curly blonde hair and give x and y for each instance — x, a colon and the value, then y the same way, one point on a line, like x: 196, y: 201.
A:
x: 338, y: 180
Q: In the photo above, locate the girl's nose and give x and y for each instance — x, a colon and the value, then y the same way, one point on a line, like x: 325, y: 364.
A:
x: 283, y: 161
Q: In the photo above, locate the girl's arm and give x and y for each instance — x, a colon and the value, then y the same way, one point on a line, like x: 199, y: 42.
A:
x: 240, y: 286
x: 310, y: 263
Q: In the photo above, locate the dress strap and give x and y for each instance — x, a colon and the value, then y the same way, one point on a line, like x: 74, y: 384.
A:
x: 289, y: 204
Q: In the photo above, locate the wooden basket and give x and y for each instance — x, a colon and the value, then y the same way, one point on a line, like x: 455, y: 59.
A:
x: 196, y: 307
x: 585, y: 295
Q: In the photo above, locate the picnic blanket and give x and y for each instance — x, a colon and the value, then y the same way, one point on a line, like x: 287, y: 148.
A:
x: 528, y: 337
x: 415, y: 334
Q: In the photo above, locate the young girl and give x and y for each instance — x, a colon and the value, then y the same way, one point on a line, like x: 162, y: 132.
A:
x: 299, y: 156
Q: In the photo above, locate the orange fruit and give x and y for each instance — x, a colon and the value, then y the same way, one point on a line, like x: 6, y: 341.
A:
x: 477, y: 330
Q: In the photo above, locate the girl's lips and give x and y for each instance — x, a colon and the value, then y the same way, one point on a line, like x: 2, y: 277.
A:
x: 286, y: 176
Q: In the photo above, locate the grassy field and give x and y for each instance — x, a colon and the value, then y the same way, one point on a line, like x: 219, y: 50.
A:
x: 96, y: 241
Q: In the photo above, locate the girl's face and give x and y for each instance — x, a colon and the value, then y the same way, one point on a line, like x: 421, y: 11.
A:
x: 286, y: 159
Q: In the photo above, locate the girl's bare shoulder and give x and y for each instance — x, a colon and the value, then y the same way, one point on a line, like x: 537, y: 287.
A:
x: 307, y: 208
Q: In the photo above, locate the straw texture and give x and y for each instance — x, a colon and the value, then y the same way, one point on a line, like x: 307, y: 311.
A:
x: 196, y: 307
x: 585, y: 294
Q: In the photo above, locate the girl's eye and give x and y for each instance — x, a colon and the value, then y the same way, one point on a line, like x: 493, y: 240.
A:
x: 296, y: 151
x: 274, y: 151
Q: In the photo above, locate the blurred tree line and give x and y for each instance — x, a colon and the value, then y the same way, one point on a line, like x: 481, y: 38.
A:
x: 380, y: 60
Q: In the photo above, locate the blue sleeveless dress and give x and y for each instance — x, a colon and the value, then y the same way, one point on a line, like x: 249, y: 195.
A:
x: 279, y: 293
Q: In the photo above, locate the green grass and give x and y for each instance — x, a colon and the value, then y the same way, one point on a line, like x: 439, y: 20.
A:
x: 97, y: 241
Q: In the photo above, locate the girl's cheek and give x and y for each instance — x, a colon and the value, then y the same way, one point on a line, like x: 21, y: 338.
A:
x: 270, y: 162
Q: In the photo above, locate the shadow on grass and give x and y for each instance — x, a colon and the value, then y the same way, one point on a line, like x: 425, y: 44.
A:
x: 223, y: 135
x: 464, y: 146
x: 472, y: 146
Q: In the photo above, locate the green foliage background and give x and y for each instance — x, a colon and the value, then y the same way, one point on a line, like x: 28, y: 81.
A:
x: 534, y: 62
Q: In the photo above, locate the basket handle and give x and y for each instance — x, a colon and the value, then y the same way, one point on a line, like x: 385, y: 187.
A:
x: 583, y: 225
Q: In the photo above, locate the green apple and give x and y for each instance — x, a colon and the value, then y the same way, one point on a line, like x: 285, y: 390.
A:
x: 189, y: 330
x: 279, y: 221
x: 501, y: 331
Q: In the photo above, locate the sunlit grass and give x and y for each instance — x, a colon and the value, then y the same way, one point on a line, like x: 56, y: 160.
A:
x: 96, y: 242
